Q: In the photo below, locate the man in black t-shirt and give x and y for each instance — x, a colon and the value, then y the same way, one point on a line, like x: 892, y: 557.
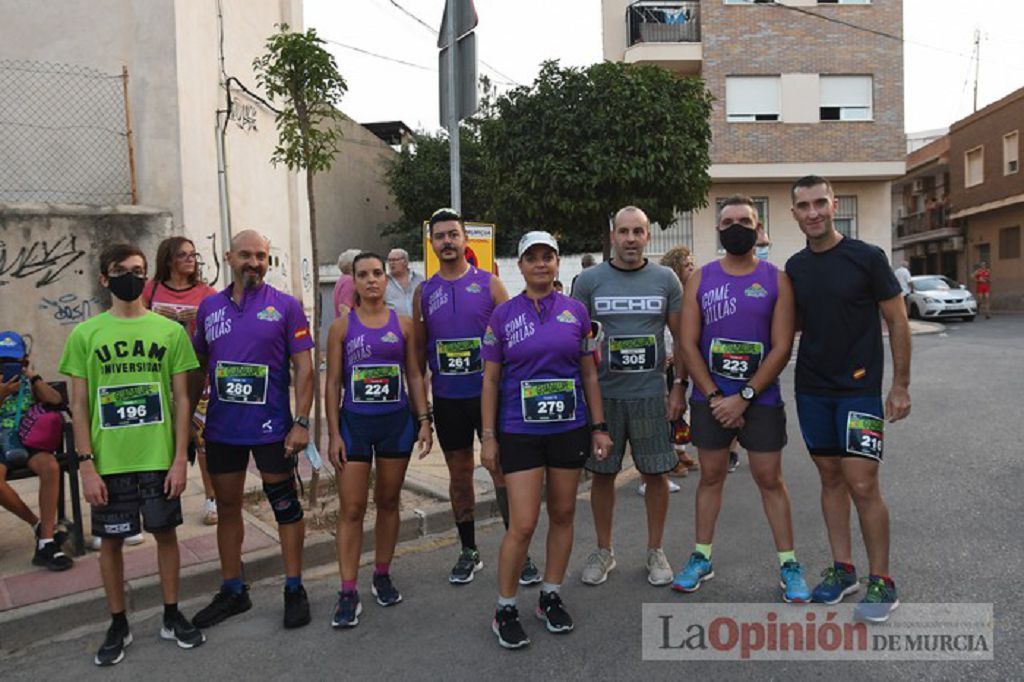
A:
x: 841, y: 285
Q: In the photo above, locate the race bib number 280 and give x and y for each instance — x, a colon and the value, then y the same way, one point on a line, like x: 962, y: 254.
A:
x: 131, y: 405
x: 241, y: 382
x: 864, y: 435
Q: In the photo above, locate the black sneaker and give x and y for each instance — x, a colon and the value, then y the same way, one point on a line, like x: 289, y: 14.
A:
x: 553, y: 613
x: 530, y: 574
x: 347, y: 613
x: 509, y: 630
x: 52, y: 557
x: 223, y: 606
x: 734, y: 461
x: 469, y: 563
x: 59, y: 536
x: 296, y: 608
x: 114, y: 644
x: 178, y: 629
x: 385, y: 591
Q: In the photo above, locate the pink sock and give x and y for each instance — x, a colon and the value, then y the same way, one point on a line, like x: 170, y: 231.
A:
x: 382, y: 569
x: 348, y: 585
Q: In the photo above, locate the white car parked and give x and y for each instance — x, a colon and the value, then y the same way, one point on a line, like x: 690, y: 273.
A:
x: 936, y: 296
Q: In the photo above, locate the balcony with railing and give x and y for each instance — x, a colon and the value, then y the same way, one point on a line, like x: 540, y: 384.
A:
x: 928, y: 225
x: 664, y: 33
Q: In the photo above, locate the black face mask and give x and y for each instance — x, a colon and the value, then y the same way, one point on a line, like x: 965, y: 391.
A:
x: 738, y: 239
x: 126, y: 287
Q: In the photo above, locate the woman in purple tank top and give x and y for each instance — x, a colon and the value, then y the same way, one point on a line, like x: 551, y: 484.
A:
x: 372, y: 362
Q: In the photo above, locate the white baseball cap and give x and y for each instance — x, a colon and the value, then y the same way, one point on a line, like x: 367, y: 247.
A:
x: 536, y: 237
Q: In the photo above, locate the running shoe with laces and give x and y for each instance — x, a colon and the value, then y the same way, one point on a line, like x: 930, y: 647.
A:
x: 210, y: 512
x: 673, y: 487
x: 52, y: 557
x: 530, y: 574
x: 794, y: 586
x: 879, y: 602
x: 837, y: 582
x: 183, y: 633
x: 697, y: 570
x: 346, y: 615
x: 599, y: 564
x: 224, y: 605
x: 659, y: 572
x: 551, y: 610
x: 734, y: 461
x: 385, y: 591
x: 112, y: 650
x: 507, y: 627
x: 296, y: 608
x: 469, y: 563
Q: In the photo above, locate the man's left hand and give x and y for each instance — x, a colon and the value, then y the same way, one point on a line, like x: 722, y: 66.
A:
x: 296, y: 440
x: 729, y: 411
x: 897, y: 404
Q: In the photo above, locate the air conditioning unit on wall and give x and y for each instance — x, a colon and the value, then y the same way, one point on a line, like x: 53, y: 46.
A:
x: 956, y: 243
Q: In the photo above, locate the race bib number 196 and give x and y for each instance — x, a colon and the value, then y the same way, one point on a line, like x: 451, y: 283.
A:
x: 864, y: 435
x: 241, y: 382
x: 735, y: 359
x: 376, y: 384
x: 548, y: 400
x: 133, y: 405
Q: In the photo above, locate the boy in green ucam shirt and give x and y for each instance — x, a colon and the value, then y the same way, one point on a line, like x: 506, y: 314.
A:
x: 125, y: 365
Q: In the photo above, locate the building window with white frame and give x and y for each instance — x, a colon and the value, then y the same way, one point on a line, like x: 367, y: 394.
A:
x: 845, y: 98
x: 845, y: 217
x: 1011, y: 153
x: 974, y: 166
x: 752, y: 98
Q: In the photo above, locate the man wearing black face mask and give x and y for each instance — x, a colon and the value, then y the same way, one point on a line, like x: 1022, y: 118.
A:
x: 738, y: 319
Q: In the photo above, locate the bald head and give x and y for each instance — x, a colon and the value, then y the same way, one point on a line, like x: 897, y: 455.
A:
x: 631, y: 232
x: 249, y: 239
x: 249, y: 258
x: 631, y: 214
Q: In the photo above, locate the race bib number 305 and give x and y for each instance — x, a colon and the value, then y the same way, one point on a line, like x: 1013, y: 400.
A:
x: 548, y: 400
x: 376, y: 384
x: 132, y: 405
x: 459, y: 356
x: 735, y: 359
x: 241, y: 382
x: 632, y: 353
x: 865, y: 435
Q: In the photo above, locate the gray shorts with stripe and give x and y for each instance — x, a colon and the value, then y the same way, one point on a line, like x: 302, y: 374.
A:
x: 643, y: 423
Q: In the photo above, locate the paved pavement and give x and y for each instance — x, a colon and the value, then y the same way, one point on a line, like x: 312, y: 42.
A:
x: 952, y: 480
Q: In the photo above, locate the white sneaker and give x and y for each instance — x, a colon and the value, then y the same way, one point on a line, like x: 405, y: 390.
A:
x: 133, y: 540
x: 659, y: 572
x: 673, y: 487
x: 599, y: 564
x: 210, y: 512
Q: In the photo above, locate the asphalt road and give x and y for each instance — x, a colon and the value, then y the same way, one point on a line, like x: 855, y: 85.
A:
x: 953, y: 479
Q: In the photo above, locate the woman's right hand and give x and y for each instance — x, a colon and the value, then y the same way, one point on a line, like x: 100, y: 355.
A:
x: 94, y: 489
x: 489, y: 454
x: 336, y: 453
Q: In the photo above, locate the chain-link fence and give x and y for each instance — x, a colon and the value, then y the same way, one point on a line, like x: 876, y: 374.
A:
x: 63, y: 134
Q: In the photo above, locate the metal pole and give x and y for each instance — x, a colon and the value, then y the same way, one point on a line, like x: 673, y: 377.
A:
x: 128, y: 135
x: 453, y: 110
x: 977, y: 64
x: 222, y: 194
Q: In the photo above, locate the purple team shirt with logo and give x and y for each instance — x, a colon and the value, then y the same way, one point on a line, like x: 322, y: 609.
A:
x: 456, y: 311
x: 374, y: 355
x: 265, y: 331
x: 737, y: 311
x: 534, y: 342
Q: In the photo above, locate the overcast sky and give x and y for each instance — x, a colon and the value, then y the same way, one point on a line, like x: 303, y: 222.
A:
x: 515, y: 36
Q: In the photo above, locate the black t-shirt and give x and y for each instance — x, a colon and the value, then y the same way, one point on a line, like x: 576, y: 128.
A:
x: 837, y: 295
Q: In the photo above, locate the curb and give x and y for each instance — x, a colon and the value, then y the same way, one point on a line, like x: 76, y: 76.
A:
x: 22, y: 626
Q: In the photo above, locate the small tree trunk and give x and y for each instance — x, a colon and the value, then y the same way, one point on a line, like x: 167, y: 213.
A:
x: 318, y: 411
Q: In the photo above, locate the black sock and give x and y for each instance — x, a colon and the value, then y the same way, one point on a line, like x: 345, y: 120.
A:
x: 170, y: 610
x: 119, y: 621
x: 467, y: 533
x: 501, y: 494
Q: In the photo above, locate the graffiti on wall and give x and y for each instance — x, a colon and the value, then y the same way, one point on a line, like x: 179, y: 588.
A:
x: 43, y: 260
x: 307, y: 275
x: 201, y: 264
x: 68, y: 308
x: 243, y: 114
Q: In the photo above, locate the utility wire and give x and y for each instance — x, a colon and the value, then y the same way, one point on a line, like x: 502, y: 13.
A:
x: 379, y: 56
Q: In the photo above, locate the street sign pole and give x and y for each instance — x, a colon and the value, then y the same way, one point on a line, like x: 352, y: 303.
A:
x: 453, y: 109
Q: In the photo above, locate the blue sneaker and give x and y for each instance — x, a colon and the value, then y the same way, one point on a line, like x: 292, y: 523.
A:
x: 385, y: 591
x: 794, y: 587
x: 697, y: 570
x: 347, y: 613
x: 837, y: 584
x: 879, y: 602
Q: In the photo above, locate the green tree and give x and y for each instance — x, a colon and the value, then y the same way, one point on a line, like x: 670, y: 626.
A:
x: 568, y: 150
x: 302, y: 77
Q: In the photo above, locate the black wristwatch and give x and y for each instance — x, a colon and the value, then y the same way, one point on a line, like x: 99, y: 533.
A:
x: 303, y: 422
x: 86, y: 457
x: 748, y: 393
x: 599, y: 427
x: 717, y: 393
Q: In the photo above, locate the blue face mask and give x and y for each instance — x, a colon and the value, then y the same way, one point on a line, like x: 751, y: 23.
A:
x: 762, y: 251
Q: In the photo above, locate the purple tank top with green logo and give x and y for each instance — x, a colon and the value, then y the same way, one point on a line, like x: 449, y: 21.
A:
x: 736, y: 333
x: 374, y: 367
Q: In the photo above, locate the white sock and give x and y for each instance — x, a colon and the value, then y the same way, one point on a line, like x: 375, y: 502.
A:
x: 506, y: 601
x: 43, y: 542
x: 550, y: 587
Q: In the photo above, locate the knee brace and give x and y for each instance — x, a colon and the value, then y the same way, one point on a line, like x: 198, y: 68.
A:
x: 284, y: 500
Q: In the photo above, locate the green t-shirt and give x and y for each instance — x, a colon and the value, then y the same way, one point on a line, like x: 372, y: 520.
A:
x: 129, y: 363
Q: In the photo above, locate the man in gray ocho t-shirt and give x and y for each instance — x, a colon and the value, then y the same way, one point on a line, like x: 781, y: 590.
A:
x: 634, y: 300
